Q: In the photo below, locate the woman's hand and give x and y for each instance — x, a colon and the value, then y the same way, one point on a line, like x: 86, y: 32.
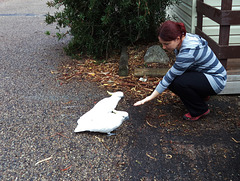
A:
x: 148, y: 98
x: 138, y: 103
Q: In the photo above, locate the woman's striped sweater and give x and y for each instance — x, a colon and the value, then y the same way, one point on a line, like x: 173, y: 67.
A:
x: 196, y: 55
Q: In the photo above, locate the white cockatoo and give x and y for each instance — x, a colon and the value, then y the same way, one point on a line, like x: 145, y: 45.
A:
x: 103, y: 123
x: 106, y: 105
x: 103, y: 117
x: 109, y: 104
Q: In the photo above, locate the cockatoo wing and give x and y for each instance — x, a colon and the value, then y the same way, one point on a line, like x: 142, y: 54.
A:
x: 104, y: 123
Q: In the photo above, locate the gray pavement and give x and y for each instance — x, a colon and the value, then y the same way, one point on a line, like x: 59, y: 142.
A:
x: 37, y: 114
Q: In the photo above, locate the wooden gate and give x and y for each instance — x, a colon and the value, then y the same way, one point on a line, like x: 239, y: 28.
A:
x: 225, y: 17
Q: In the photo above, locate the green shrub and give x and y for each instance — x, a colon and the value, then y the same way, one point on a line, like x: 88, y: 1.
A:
x: 100, y: 26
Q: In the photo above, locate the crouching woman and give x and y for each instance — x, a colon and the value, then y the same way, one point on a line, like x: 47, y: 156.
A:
x: 196, y: 73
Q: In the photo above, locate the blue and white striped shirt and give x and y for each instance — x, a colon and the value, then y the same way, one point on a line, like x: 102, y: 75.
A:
x: 196, y: 55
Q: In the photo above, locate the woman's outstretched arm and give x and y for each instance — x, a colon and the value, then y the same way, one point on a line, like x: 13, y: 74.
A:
x: 148, y: 98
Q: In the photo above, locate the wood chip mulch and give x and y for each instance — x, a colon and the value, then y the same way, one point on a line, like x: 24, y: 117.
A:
x: 106, y: 74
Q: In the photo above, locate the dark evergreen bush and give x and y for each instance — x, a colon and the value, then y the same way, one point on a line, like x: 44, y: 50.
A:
x: 100, y: 26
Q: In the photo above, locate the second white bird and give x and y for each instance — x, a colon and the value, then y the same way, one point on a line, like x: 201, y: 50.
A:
x: 103, y: 117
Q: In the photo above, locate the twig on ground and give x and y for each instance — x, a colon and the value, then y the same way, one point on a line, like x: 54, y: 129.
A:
x: 151, y: 157
x: 150, y: 124
x: 162, y: 115
x: 66, y: 168
x: 60, y: 134
x: 102, y: 141
x: 46, y: 159
x: 235, y: 140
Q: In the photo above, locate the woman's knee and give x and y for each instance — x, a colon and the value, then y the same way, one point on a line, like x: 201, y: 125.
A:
x: 178, y: 83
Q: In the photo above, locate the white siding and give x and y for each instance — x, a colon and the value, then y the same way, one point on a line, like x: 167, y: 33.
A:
x: 186, y: 12
x: 183, y: 12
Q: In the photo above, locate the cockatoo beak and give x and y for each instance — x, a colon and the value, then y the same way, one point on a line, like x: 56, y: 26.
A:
x: 110, y: 93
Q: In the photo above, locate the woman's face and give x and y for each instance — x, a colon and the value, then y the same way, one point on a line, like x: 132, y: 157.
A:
x: 170, y: 45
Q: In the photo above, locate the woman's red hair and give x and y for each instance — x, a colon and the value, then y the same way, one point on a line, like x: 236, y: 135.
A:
x: 170, y: 30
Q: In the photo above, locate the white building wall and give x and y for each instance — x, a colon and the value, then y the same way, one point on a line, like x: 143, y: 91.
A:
x: 183, y: 12
x: 186, y: 12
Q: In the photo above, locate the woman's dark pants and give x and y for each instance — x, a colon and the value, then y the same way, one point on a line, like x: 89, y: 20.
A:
x: 192, y: 88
